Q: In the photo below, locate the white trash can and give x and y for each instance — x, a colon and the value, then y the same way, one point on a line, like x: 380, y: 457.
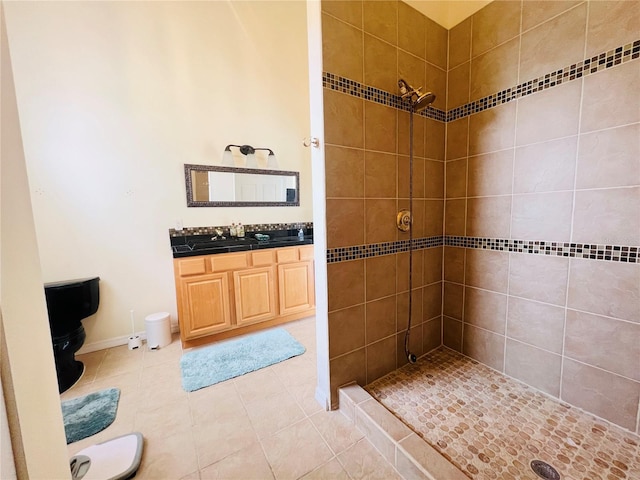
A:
x: 158, y: 328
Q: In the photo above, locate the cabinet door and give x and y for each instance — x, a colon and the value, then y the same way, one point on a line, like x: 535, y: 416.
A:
x: 296, y: 287
x: 255, y: 295
x: 205, y: 304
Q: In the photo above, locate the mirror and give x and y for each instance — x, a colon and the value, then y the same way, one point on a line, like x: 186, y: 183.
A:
x: 213, y: 186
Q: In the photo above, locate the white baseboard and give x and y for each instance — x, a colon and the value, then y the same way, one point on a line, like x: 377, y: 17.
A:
x: 115, y: 342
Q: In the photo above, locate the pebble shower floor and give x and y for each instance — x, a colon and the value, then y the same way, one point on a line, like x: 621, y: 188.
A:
x: 492, y: 427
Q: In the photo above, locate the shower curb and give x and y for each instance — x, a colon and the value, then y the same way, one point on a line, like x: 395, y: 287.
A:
x: 411, y: 456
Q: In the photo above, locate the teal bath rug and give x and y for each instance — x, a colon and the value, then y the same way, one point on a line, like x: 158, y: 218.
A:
x: 88, y: 415
x: 232, y: 358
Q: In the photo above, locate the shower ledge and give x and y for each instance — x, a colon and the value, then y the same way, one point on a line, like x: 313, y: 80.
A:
x: 409, y: 454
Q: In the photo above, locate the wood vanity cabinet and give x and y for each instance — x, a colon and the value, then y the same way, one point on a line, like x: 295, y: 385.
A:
x: 230, y: 294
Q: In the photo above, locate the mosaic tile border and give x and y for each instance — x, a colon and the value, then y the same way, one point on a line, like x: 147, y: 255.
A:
x: 575, y: 71
x: 611, y: 253
x: 258, y: 227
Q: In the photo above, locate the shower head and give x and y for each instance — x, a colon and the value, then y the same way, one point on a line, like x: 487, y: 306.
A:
x: 419, y: 101
x: 422, y: 101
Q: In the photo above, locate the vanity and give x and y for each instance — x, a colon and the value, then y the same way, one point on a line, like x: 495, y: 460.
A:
x: 232, y: 286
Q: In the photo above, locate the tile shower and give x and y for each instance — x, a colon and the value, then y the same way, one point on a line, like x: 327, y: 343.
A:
x: 527, y: 193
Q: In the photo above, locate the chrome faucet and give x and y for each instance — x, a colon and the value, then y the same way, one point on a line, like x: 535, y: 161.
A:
x: 219, y: 234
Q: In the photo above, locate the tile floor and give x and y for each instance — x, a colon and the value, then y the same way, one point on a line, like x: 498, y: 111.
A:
x: 263, y: 425
x: 491, y: 426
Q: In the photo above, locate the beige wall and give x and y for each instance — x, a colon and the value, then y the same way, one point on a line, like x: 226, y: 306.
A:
x: 114, y: 97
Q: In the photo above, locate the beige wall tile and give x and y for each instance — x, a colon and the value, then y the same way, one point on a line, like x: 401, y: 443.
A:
x: 381, y: 358
x: 403, y: 176
x: 432, y: 265
x: 404, y: 126
x: 542, y: 216
x: 418, y: 177
x: 417, y: 261
x: 411, y: 30
x: 412, y: 69
x: 453, y: 300
x: 611, y: 98
x: 492, y: 129
x: 343, y: 119
x: 380, y: 170
x: 346, y: 330
x: 380, y: 64
x: 611, y: 24
x: 454, y: 264
x: 607, y: 395
x: 347, y: 369
x: 349, y: 11
x: 539, y: 277
x: 341, y: 48
x: 488, y: 269
x: 380, y: 221
x: 433, y: 179
x: 436, y: 82
x: 380, y: 276
x: 484, y: 346
x: 535, y: 12
x: 538, y: 324
x: 345, y: 282
x: 381, y: 319
x: 402, y: 272
x: 545, y: 167
x: 612, y: 345
x: 381, y: 20
x: 605, y: 288
x: 457, y: 138
x: 415, y: 345
x: 345, y: 222
x: 432, y: 300
x: 431, y: 334
x: 485, y: 309
x: 344, y: 172
x: 609, y: 158
x: 433, y: 213
x: 551, y: 114
x: 458, y: 86
x: 452, y: 333
x: 495, y: 70
x: 494, y: 24
x: 488, y: 216
x: 533, y: 366
x: 490, y: 174
x: 460, y: 43
x: 380, y: 127
x: 607, y: 216
x: 554, y: 44
x: 437, y: 38
x: 456, y: 178
x: 434, y: 143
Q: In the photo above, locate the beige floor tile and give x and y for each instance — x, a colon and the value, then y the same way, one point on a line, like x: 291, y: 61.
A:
x: 296, y: 450
x: 362, y: 460
x: 330, y: 470
x: 273, y: 413
x: 248, y: 463
x: 172, y: 457
x: 156, y: 422
x: 256, y: 385
x: 305, y: 396
x: 217, y: 401
x: 337, y: 430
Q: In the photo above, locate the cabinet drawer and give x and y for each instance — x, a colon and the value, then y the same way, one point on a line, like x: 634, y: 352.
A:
x: 286, y: 255
x: 228, y: 261
x: 192, y: 266
x: 306, y: 252
x: 263, y: 257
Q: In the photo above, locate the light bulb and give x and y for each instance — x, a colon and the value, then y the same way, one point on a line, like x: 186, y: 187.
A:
x: 272, y: 162
x: 227, y: 159
x: 251, y: 160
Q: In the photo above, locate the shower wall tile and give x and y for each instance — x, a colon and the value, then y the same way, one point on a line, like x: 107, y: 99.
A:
x: 454, y: 264
x: 417, y: 265
x: 381, y: 319
x: 533, y: 366
x: 418, y: 177
x: 554, y: 44
x: 456, y: 178
x: 485, y: 309
x: 381, y: 358
x: 345, y: 225
x: 490, y: 174
x: 346, y: 284
x: 381, y: 19
x: 484, y: 346
x: 611, y: 24
x: 380, y: 276
x: 551, y: 114
x: 458, y: 91
x: 611, y: 98
x: 487, y: 269
x: 380, y: 170
x: 492, y: 129
x: 432, y: 265
x: 452, y: 300
x: 380, y: 63
x: 494, y: 70
x: 605, y: 288
x: 455, y: 217
x: 609, y: 396
x: 541, y: 216
x: 432, y: 301
x: 607, y: 217
x: 488, y: 216
x: 433, y: 217
x: 434, y: 140
x: 494, y: 24
x: 535, y: 323
x: 412, y: 69
x: 380, y: 127
x: 403, y: 176
x: 419, y: 127
x: 460, y: 43
x: 604, y: 343
x: 539, y: 277
x: 342, y: 46
x: 433, y: 179
x: 457, y: 138
x: 545, y: 167
x: 436, y: 81
x: 346, y: 369
x: 452, y: 333
x: 402, y: 272
x: 349, y: 11
x: 380, y: 221
x: 431, y: 334
x: 344, y: 172
x: 437, y: 43
x: 415, y: 345
x: 412, y: 35
x: 346, y: 330
x: 343, y: 119
x: 534, y: 12
x: 609, y: 158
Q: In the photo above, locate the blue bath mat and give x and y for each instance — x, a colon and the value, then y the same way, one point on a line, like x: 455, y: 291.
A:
x: 88, y: 415
x: 209, y: 365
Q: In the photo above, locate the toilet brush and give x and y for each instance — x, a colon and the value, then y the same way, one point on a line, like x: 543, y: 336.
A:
x: 134, y: 340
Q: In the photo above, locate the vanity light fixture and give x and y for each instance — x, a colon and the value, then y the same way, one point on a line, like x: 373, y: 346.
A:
x: 250, y: 153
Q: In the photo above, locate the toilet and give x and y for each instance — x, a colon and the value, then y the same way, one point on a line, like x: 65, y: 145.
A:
x: 68, y: 302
